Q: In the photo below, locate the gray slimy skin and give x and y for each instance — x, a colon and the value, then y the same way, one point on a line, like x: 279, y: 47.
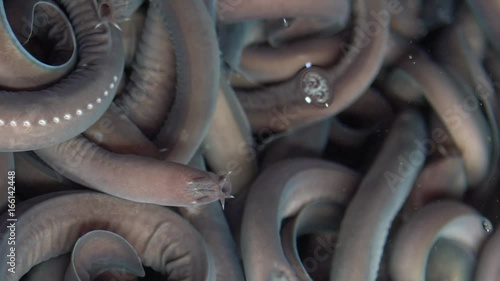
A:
x: 210, y: 222
x: 279, y: 192
x: 488, y: 262
x: 124, y: 175
x: 290, y: 99
x: 131, y: 35
x: 286, y: 31
x: 468, y: 128
x: 439, y: 179
x: 445, y: 219
x: 308, y: 142
x: 55, y: 270
x: 232, y: 40
x: 37, y: 119
x: 397, y: 46
x: 351, y: 128
x: 250, y: 9
x: 465, y: 65
x: 228, y: 146
x: 20, y: 70
x: 192, y: 31
x: 51, y: 270
x: 402, y: 88
x: 263, y: 64
x: 162, y: 239
x: 486, y: 13
x: 448, y: 260
x: 380, y: 195
x: 116, y: 133
x: 466, y: 59
x: 34, y: 177
x: 317, y: 217
x: 149, y: 94
x: 116, y: 11
x: 211, y: 7
x: 408, y: 22
x: 101, y: 251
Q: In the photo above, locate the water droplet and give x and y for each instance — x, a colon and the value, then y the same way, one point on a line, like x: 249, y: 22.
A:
x: 410, y: 56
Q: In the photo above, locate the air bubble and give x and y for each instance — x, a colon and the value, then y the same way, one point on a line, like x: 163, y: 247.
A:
x: 316, y: 89
x: 487, y: 226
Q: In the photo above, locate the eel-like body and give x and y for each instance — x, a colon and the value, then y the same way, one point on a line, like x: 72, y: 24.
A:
x: 228, y: 146
x: 459, y: 111
x: 239, y: 10
x: 116, y: 133
x: 315, y: 93
x: 133, y: 177
x: 445, y: 219
x: 351, y: 128
x: 448, y: 260
x: 380, y: 195
x: 150, y: 91
x: 20, y: 21
x: 317, y: 217
x: 286, y: 31
x: 308, y: 142
x: 192, y: 31
x: 101, y: 251
x: 263, y: 64
x: 210, y: 222
x: 162, y: 239
x: 34, y: 177
x: 487, y: 267
x: 35, y: 119
x: 486, y: 13
x: 280, y: 192
x: 439, y: 179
